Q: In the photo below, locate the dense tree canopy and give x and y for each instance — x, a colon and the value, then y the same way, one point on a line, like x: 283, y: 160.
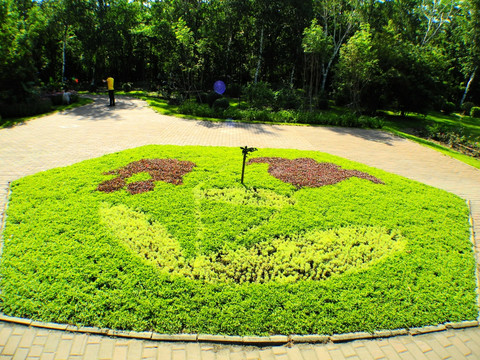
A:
x: 406, y: 55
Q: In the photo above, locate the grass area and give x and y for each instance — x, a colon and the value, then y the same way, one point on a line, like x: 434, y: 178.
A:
x: 403, y: 126
x: 435, y: 146
x: 166, y: 238
x: 470, y: 125
x: 4, y: 123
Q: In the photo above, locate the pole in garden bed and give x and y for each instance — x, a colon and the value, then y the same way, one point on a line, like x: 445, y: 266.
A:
x: 245, y: 151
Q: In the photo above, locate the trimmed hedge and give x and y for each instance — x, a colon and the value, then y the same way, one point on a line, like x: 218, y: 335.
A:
x: 191, y: 107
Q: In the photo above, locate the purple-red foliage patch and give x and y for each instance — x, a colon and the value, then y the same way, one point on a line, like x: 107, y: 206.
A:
x: 306, y: 172
x: 167, y: 170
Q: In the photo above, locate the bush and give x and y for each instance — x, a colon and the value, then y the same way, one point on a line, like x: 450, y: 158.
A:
x: 448, y: 107
x: 287, y: 116
x: 57, y: 98
x: 288, y: 99
x: 259, y: 95
x: 127, y: 87
x: 201, y: 97
x: 234, y: 90
x: 73, y: 97
x: 322, y: 103
x: 30, y: 107
x: 467, y: 107
x: 475, y: 112
x: 212, y: 97
x: 191, y: 107
x: 221, y: 104
x: 232, y: 113
x: 256, y: 115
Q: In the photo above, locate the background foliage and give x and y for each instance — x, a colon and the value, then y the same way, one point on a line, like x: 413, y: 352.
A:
x: 67, y: 258
x: 411, y: 55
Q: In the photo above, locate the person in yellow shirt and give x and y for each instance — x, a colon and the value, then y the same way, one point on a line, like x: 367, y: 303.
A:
x: 110, y: 88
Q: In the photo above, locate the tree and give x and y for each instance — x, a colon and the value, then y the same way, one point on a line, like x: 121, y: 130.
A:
x: 410, y: 76
x: 357, y: 66
x: 20, y: 23
x: 317, y: 46
x: 338, y: 19
x: 471, y: 37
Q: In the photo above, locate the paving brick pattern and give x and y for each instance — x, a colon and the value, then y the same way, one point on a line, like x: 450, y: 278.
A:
x: 93, y: 130
x: 22, y: 342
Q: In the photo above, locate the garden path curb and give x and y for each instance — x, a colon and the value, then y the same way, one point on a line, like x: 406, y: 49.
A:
x: 476, y: 254
x: 3, y: 220
x: 242, y: 340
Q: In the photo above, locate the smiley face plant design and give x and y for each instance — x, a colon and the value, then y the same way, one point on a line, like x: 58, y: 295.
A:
x: 314, y: 255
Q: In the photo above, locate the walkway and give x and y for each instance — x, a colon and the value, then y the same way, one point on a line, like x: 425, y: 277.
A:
x: 93, y: 130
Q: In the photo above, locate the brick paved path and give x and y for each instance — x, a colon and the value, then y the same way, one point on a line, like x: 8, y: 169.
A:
x: 93, y: 130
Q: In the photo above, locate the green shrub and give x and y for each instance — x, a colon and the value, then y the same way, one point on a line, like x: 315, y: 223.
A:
x: 322, y: 103
x: 191, y: 107
x: 449, y: 107
x: 211, y: 97
x: 127, y: 86
x: 221, y: 104
x: 289, y: 99
x: 287, y: 116
x: 467, y: 107
x: 202, y: 97
x: 232, y: 113
x: 234, y: 90
x: 257, y: 115
x: 259, y: 95
x: 74, y: 97
x: 475, y: 112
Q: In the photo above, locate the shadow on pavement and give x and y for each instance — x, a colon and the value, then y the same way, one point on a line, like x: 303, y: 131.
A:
x: 369, y: 135
x: 100, y: 109
x: 254, y: 128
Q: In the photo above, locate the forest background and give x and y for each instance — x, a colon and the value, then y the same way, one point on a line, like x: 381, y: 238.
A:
x: 405, y: 56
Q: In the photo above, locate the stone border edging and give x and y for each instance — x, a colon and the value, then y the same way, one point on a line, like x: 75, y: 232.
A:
x: 476, y: 255
x: 3, y: 220
x: 242, y: 340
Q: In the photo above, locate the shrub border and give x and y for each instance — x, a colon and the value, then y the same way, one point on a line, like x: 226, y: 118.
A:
x: 255, y: 340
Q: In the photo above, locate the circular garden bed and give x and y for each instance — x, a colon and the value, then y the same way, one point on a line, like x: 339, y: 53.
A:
x: 167, y: 239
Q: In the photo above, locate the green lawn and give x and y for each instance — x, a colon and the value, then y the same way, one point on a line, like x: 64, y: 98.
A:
x: 174, y: 243
x: 470, y: 125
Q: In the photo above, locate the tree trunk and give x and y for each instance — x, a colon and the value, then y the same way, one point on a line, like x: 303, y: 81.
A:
x: 310, y: 89
x: 64, y: 54
x: 467, y: 88
x: 259, y: 56
x: 291, y: 76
